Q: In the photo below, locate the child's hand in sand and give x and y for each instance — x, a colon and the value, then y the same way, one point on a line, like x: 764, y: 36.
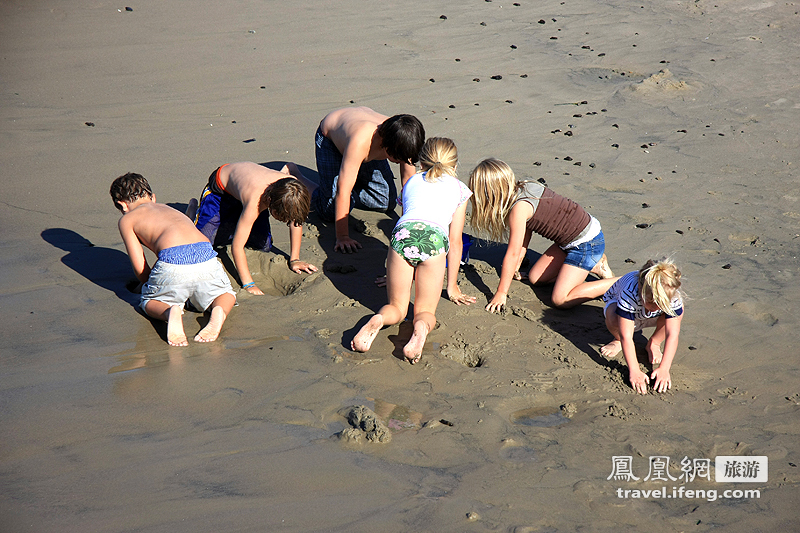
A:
x: 497, y: 303
x: 661, y: 380
x: 252, y: 289
x: 297, y: 266
x: 639, y: 380
x: 459, y: 298
x: 346, y: 245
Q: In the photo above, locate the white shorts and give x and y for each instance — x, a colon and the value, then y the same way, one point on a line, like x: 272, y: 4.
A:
x: 174, y: 284
x: 639, y: 323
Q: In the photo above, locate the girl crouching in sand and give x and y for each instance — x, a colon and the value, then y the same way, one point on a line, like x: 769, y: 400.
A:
x: 647, y: 298
x: 502, y: 205
x: 433, y: 201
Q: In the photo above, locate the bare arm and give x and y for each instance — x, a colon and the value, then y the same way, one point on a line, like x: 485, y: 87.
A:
x: 517, y: 219
x: 406, y: 171
x: 662, y: 381
x: 354, y: 154
x: 243, y: 228
x: 639, y: 379
x: 454, y: 258
x: 135, y: 250
x: 295, y: 264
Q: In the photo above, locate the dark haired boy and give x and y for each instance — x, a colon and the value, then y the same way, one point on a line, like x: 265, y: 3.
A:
x: 235, y: 207
x: 187, y: 266
x: 352, y: 148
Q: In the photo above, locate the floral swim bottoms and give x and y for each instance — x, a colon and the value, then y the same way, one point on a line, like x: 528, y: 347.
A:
x: 417, y: 241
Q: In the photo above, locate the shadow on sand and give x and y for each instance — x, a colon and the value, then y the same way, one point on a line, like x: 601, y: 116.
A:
x: 105, y: 267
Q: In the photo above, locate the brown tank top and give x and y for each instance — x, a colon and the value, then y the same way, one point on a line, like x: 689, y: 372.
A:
x: 555, y: 217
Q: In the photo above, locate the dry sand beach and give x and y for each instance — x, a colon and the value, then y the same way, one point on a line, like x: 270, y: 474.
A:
x: 674, y: 123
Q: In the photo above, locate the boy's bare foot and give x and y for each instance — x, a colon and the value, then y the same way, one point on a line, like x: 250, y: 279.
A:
x: 611, y: 349
x: 212, y: 329
x: 655, y: 354
x: 175, y: 334
x: 602, y: 270
x: 191, y: 209
x: 363, y: 339
x: 413, y: 349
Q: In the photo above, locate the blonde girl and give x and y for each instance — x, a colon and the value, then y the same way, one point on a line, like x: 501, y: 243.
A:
x: 427, y: 236
x: 647, y: 298
x: 501, y: 205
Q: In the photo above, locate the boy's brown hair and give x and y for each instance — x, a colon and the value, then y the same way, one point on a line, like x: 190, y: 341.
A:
x: 129, y: 188
x: 402, y: 136
x: 288, y: 201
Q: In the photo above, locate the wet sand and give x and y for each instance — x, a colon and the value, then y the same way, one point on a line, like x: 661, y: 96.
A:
x: 672, y: 123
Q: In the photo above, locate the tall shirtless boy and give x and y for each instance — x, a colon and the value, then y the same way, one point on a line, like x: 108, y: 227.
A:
x: 187, y: 267
x: 235, y: 207
x: 353, y: 148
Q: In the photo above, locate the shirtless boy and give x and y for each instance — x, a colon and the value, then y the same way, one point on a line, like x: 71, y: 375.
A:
x: 187, y: 267
x: 352, y: 148
x: 235, y: 207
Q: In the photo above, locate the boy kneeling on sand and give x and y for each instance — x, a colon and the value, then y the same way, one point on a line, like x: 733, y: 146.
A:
x: 187, y: 266
x: 235, y: 207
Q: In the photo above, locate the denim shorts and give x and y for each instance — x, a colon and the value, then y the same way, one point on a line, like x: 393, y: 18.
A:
x: 586, y: 255
x: 374, y: 189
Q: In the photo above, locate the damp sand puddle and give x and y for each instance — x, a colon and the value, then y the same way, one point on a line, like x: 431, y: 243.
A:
x: 540, y: 417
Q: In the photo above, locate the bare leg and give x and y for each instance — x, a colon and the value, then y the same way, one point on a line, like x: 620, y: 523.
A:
x: 654, y: 344
x: 363, y: 339
x: 175, y: 333
x: 413, y: 349
x: 399, y: 277
x: 220, y: 309
x: 428, y: 292
x: 547, y: 267
x: 173, y: 316
x: 517, y: 274
x: 613, y: 348
x: 571, y: 288
x: 654, y: 351
x: 602, y: 270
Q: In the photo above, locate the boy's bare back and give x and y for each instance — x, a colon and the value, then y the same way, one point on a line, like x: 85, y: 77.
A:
x: 354, y: 125
x: 247, y: 181
x: 158, y: 226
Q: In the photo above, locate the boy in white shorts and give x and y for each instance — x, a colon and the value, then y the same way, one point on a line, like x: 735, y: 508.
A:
x: 187, y: 266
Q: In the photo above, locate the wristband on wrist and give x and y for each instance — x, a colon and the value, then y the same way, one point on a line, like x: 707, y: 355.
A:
x: 293, y: 261
x: 248, y: 285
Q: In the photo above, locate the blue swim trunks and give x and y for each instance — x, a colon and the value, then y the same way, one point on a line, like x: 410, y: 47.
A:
x: 218, y: 214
